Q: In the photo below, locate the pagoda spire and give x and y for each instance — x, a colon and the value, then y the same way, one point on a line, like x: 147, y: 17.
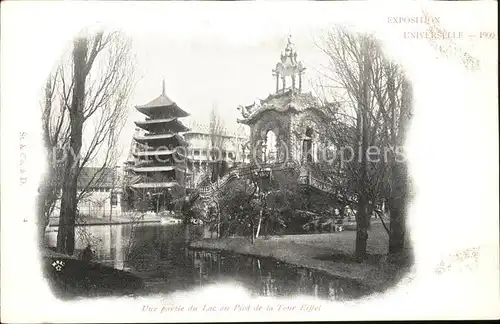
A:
x: 163, y: 87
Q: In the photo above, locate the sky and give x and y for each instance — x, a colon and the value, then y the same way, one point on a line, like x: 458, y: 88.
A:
x: 215, y: 55
x: 224, y: 58
x: 223, y: 53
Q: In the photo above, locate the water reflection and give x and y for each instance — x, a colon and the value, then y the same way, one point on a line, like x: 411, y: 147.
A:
x: 157, y: 253
x: 267, y: 277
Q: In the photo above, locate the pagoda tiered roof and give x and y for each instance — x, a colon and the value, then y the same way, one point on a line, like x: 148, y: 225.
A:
x: 147, y: 138
x: 173, y: 123
x: 158, y: 168
x: 156, y: 108
x: 154, y: 153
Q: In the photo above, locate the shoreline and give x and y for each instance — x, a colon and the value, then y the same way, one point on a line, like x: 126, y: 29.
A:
x: 121, y: 222
x: 118, y: 220
x: 313, y: 251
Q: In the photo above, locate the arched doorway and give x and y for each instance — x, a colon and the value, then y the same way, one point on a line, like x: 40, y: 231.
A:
x: 307, y: 154
x: 271, y: 147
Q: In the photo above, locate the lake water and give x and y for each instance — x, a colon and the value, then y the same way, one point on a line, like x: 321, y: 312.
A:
x: 158, y: 254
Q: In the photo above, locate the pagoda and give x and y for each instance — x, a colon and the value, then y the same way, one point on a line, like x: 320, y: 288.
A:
x: 160, y: 154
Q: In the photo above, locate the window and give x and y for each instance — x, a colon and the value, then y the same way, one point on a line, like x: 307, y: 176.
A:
x: 271, y: 143
x: 307, y: 146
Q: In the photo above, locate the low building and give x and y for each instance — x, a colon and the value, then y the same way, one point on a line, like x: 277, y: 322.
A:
x: 103, y: 191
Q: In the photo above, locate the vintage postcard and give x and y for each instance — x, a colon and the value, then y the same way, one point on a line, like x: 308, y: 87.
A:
x: 249, y: 161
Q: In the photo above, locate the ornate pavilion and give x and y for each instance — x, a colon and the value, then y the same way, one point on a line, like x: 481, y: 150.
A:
x: 287, y: 125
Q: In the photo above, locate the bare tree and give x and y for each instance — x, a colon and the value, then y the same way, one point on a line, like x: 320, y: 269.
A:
x: 350, y: 57
x: 394, y: 96
x: 55, y: 127
x: 92, y: 86
x: 216, y: 133
x: 371, y: 110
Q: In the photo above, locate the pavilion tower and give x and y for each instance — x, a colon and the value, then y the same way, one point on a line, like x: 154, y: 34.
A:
x: 160, y: 154
x: 289, y: 68
x: 285, y: 126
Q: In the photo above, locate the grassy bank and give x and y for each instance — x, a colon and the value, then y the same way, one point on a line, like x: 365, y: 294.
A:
x: 329, y: 252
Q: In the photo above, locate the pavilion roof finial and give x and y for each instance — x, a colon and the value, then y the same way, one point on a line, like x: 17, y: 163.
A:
x: 289, y: 49
x: 289, y: 66
x: 163, y: 87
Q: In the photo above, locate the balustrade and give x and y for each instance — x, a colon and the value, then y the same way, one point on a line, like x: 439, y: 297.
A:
x: 239, y: 171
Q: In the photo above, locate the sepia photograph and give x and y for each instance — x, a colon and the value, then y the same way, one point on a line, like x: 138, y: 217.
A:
x: 246, y: 161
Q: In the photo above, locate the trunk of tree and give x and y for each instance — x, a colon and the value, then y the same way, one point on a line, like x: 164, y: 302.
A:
x: 43, y: 220
x: 253, y: 233
x: 186, y: 233
x: 397, y: 213
x: 219, y: 234
x: 362, y: 227
x: 43, y: 204
x: 362, y: 217
x: 66, y: 234
x: 400, y: 181
x: 258, y: 225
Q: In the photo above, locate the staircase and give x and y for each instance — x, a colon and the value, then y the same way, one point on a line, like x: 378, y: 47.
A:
x: 207, y: 189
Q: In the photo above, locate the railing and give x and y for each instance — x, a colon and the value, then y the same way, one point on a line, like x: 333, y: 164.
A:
x: 318, y: 184
x: 306, y: 179
x: 241, y: 171
x: 221, y: 183
x: 204, y: 180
